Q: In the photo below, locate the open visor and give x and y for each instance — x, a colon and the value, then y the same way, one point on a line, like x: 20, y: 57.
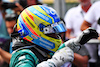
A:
x: 55, y: 28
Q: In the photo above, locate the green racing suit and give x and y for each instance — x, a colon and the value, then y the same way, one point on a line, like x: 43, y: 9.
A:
x: 24, y: 58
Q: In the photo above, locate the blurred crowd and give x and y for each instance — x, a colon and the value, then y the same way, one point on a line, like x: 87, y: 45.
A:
x: 76, y: 20
x: 9, y: 12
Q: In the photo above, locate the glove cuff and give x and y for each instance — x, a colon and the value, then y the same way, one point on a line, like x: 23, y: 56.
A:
x: 75, y: 47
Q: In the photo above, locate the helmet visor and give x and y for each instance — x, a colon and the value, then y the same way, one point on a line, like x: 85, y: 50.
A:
x: 55, y: 28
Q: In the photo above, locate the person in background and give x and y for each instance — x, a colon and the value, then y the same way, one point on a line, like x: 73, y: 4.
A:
x: 91, y: 19
x: 5, y: 52
x: 77, y: 14
x: 18, y: 9
x: 3, y: 31
x: 73, y: 19
x: 21, y: 5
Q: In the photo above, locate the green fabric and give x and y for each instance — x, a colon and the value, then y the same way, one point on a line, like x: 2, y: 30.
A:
x: 24, y: 58
x: 62, y: 46
x: 3, y: 30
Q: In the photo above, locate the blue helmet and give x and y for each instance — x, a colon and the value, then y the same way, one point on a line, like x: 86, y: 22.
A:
x: 38, y: 23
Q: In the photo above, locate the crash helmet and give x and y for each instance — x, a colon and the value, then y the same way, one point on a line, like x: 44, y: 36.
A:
x: 40, y: 25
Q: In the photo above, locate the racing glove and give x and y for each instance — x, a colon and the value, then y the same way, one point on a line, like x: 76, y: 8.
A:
x: 59, y: 58
x: 83, y: 38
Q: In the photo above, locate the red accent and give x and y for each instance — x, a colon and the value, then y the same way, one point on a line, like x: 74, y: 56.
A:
x: 18, y: 29
x: 68, y: 65
x: 26, y: 39
x: 31, y: 2
x: 29, y: 27
x: 29, y: 15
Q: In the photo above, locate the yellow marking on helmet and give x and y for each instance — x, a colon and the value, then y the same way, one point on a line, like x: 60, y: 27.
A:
x: 29, y: 38
x: 28, y: 20
x: 43, y: 12
x: 40, y: 10
x: 57, y: 43
x: 41, y: 20
x: 32, y: 25
x: 18, y: 27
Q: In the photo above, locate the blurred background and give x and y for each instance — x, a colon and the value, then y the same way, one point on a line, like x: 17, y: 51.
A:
x: 61, y: 6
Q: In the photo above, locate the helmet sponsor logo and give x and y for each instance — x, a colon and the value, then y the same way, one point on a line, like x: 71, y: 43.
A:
x: 49, y: 11
x: 52, y: 12
x: 46, y: 10
x: 29, y: 15
x: 30, y: 22
x: 47, y: 43
x: 27, y: 26
x: 41, y: 15
x: 33, y: 36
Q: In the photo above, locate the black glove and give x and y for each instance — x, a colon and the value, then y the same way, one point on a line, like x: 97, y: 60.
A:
x: 87, y: 35
x: 83, y: 38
